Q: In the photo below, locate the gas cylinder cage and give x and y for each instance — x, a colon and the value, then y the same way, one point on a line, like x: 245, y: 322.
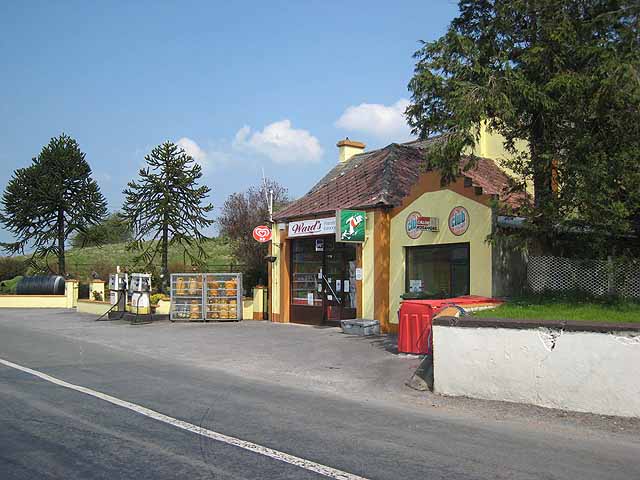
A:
x: 205, y: 297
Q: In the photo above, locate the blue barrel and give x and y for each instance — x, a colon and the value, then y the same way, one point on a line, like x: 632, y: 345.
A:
x: 41, y: 285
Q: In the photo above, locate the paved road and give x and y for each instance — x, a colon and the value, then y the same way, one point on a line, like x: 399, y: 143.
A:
x: 48, y: 431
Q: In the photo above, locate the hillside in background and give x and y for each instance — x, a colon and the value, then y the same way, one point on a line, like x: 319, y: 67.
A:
x: 103, y: 260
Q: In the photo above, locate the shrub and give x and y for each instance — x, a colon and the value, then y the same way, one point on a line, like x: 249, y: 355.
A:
x: 8, y: 287
x: 11, y: 267
x: 156, y: 297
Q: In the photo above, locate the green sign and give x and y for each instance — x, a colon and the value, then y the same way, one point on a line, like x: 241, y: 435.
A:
x: 350, y: 225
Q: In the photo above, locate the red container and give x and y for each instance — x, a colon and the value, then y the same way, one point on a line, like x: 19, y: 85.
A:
x: 414, y: 329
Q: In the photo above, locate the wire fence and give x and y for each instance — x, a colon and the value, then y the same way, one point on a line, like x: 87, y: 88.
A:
x: 612, y: 277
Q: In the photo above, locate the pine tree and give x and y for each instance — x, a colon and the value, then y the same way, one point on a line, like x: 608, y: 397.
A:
x: 562, y: 76
x: 51, y: 199
x: 165, y: 207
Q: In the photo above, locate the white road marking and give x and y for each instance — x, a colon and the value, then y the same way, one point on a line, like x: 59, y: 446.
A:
x: 252, y: 447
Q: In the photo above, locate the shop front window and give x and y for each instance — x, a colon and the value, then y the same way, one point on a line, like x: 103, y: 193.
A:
x: 439, y: 271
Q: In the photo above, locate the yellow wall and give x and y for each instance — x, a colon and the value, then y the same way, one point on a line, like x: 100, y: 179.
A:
x: 92, y: 307
x: 491, y: 145
x: 439, y: 204
x: 247, y: 308
x: 275, y: 271
x: 368, y: 273
x: 33, y: 301
x: 96, y: 286
x: 163, y: 307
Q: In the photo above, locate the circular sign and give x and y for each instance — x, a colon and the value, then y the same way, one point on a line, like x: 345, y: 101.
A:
x: 459, y: 221
x: 262, y: 233
x: 411, y: 225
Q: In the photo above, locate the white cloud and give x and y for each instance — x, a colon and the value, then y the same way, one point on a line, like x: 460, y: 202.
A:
x: 382, y: 121
x: 280, y: 142
x: 206, y: 159
x: 194, y: 150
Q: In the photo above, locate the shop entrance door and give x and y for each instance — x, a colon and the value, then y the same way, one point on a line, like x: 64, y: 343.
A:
x: 339, y: 282
x: 323, y: 287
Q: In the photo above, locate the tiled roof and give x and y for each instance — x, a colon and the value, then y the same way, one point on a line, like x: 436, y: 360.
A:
x: 382, y: 178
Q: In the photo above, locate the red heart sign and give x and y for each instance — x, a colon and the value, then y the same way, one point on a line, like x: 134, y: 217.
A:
x: 262, y: 233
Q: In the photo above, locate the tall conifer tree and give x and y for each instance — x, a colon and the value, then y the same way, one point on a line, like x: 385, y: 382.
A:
x: 51, y: 199
x: 165, y: 206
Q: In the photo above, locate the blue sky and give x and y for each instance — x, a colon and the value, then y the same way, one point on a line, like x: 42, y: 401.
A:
x: 241, y: 85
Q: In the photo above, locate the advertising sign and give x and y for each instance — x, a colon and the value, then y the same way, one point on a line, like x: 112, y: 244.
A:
x: 350, y: 226
x: 416, y: 224
x: 262, y: 233
x: 459, y: 221
x: 317, y: 226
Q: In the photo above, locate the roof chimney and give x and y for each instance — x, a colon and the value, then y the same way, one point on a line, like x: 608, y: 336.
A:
x: 348, y: 148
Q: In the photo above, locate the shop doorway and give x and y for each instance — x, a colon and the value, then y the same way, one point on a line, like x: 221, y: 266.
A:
x: 323, y: 287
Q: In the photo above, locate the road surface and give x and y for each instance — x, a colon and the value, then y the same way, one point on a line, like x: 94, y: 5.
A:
x: 74, y: 409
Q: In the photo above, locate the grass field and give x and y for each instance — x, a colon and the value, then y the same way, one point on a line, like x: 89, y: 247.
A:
x: 550, y: 308
x: 82, y: 261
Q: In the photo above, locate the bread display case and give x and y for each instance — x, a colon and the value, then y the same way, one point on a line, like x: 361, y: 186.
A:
x: 205, y: 297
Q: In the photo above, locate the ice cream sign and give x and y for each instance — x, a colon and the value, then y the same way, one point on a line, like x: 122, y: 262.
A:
x: 459, y: 221
x: 350, y: 225
x: 416, y: 223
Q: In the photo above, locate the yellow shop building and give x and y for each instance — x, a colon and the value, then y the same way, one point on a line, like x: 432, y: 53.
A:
x: 416, y: 235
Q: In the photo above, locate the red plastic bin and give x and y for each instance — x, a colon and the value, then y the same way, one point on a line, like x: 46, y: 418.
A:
x: 414, y: 329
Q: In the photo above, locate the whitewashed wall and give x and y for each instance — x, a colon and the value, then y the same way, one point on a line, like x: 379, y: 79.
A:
x: 580, y: 371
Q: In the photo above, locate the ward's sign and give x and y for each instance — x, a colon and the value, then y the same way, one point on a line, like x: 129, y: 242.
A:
x: 459, y: 221
x: 350, y: 225
x: 262, y: 233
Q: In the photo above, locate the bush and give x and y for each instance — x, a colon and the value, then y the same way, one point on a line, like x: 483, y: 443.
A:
x: 8, y: 287
x: 156, y: 297
x: 11, y: 267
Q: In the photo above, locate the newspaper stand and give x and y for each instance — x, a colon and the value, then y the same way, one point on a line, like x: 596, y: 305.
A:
x: 198, y: 297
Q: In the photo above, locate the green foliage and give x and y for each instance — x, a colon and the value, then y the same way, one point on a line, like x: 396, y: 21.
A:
x: 113, y: 229
x: 11, y: 267
x: 156, y: 297
x: 241, y: 213
x: 97, y: 296
x: 562, y: 76
x: 166, y: 206
x: 81, y: 262
x: 50, y: 200
x: 8, y: 287
x: 566, y: 307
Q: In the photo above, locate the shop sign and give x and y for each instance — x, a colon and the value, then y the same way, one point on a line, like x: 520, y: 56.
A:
x: 416, y: 224
x: 459, y: 221
x: 350, y: 225
x: 317, y: 226
x: 262, y: 233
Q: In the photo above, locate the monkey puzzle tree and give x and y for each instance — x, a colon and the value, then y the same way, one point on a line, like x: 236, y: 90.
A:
x: 51, y: 199
x: 166, y: 207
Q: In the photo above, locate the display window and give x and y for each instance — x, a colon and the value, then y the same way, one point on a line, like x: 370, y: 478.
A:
x: 440, y: 271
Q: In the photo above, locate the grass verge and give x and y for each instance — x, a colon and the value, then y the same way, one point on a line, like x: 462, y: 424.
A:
x: 566, y: 308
